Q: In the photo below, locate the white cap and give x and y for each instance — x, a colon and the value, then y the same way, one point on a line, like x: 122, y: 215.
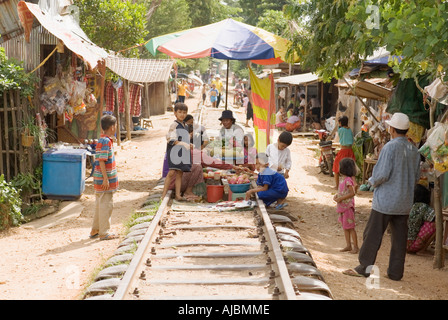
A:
x: 399, y: 121
x: 217, y: 76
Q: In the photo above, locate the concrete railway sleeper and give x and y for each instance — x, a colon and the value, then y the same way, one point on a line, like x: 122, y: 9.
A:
x: 201, y: 256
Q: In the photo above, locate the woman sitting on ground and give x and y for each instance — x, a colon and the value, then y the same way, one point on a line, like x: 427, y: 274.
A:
x: 280, y: 118
x: 293, y: 122
x: 421, y: 220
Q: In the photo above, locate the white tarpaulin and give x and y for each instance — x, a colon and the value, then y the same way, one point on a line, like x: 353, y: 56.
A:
x: 140, y: 70
x: 298, y: 79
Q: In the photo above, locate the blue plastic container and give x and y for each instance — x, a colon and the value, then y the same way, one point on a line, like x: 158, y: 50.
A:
x: 239, y: 188
x: 64, y: 173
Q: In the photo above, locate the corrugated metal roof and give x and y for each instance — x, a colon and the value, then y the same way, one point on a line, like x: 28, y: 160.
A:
x: 10, y: 25
x: 29, y: 53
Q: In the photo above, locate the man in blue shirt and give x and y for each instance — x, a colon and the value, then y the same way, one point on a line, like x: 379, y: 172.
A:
x: 394, y: 178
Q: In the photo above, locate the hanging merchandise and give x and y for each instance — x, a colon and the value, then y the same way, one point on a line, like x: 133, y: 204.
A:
x: 55, y: 97
x: 435, y: 148
x: 65, y: 94
x: 78, y: 90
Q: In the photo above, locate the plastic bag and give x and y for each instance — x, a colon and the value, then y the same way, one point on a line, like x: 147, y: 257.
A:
x: 436, y: 149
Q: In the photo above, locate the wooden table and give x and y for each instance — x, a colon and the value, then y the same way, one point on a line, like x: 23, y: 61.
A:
x: 367, y: 169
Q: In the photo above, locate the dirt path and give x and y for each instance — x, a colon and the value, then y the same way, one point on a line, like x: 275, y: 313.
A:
x: 52, y: 258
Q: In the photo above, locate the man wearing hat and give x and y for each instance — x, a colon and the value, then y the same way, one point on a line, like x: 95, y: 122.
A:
x: 394, y: 178
x: 219, y: 86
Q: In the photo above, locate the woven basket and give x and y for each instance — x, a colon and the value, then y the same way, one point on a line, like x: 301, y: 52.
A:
x: 27, y: 141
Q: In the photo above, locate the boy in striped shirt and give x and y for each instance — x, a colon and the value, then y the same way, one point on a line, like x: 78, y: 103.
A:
x: 105, y: 180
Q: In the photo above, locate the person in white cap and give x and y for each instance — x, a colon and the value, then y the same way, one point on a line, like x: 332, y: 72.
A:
x: 394, y: 178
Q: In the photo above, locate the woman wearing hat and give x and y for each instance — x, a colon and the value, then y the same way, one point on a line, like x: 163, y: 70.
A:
x: 394, y: 178
x: 229, y: 129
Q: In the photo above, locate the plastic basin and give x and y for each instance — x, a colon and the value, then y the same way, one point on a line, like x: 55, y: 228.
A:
x: 239, y: 188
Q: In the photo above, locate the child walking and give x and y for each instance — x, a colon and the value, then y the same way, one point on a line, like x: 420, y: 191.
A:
x: 345, y: 199
x: 346, y: 140
x: 178, y: 151
x: 272, y: 186
x: 214, y: 95
x: 105, y: 180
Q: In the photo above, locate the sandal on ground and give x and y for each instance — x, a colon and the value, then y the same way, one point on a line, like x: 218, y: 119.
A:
x: 352, y: 272
x: 184, y: 199
x: 191, y: 197
x: 93, y: 236
x: 281, y: 206
x: 109, y: 236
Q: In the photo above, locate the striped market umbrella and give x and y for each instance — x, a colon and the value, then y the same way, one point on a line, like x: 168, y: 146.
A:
x: 227, y: 39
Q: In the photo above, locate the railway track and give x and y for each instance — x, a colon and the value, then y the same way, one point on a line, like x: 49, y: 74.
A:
x: 183, y: 251
x: 193, y: 252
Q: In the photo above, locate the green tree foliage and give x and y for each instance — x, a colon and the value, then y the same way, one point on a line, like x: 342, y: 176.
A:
x: 339, y: 34
x: 10, y: 205
x: 417, y: 30
x: 203, y: 12
x: 169, y: 17
x: 14, y: 77
x: 253, y: 10
x: 274, y: 21
x: 114, y: 24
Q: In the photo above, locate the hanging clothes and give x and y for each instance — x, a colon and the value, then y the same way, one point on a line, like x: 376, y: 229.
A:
x: 110, y: 97
x: 135, y: 100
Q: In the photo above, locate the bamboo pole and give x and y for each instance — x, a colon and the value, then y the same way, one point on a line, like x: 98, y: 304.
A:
x: 321, y: 99
x: 117, y: 115
x: 227, y: 83
x: 16, y: 141
x: 127, y: 108
x: 20, y: 111
x: 102, y: 71
x: 6, y: 134
x: 439, y: 252
x: 368, y: 108
x: 1, y: 146
x: 306, y: 108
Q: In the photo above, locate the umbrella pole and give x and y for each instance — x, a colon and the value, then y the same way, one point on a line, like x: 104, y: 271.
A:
x: 227, y: 83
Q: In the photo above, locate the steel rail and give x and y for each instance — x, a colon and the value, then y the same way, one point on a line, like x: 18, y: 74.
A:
x: 129, y: 277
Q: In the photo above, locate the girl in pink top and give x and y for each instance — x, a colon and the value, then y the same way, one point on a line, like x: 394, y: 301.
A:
x: 345, y: 199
